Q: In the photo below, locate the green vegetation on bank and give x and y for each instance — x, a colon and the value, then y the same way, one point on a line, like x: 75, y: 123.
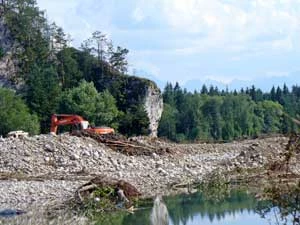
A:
x: 222, y: 115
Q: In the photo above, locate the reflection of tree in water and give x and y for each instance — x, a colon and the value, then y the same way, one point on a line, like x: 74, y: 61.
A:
x: 139, y: 217
x: 182, y: 208
x: 284, y: 204
x: 185, y: 207
x: 112, y: 219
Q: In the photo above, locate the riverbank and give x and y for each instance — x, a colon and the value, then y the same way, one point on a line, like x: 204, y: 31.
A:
x: 45, y: 171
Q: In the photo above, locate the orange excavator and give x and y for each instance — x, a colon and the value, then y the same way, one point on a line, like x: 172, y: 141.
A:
x: 78, y: 122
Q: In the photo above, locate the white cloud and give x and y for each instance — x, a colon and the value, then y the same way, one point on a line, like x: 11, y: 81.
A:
x: 229, y: 25
x: 220, y: 24
x: 178, y: 31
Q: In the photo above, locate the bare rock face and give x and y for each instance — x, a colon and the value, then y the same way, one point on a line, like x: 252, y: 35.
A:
x: 7, y: 64
x: 7, y: 72
x: 135, y: 91
x: 154, y: 108
x: 6, y: 41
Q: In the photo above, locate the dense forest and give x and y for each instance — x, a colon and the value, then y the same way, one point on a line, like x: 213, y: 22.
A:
x: 61, y: 79
x: 226, y: 115
x: 92, y: 81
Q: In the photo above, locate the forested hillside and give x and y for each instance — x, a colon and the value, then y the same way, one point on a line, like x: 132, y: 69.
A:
x: 223, y: 115
x: 55, y: 78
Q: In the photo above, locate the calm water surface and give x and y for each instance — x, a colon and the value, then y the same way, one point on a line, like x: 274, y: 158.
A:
x: 238, y: 208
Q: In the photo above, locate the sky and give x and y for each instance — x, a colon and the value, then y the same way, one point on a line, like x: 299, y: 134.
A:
x: 225, y: 42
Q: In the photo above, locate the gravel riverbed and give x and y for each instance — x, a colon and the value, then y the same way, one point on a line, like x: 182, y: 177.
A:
x: 46, y: 170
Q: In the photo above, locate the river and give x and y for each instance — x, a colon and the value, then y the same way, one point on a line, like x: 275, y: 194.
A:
x: 236, y: 208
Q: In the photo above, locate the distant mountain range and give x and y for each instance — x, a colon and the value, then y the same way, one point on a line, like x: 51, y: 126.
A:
x: 263, y: 82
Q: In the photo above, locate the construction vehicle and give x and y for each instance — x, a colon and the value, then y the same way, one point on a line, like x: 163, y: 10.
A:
x: 78, y: 122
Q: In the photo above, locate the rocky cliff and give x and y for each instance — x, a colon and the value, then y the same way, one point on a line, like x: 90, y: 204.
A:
x: 131, y: 91
x: 154, y: 108
x: 6, y: 41
x: 7, y: 65
x: 8, y: 72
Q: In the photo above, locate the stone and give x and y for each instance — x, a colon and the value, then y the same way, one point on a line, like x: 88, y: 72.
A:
x: 155, y: 156
x: 242, y: 154
x: 96, y: 155
x: 74, y: 157
x: 162, y: 171
x: 49, y: 148
x: 86, y: 153
x: 47, y: 159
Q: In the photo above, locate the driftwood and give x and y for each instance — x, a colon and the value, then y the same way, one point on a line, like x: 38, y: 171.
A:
x: 292, y: 149
x: 122, y: 189
x: 122, y: 144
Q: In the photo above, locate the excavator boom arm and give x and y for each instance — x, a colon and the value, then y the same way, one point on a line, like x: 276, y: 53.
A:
x: 64, y: 119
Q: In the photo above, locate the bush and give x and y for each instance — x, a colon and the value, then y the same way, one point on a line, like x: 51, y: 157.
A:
x: 15, y: 115
x: 84, y: 100
x: 135, y: 121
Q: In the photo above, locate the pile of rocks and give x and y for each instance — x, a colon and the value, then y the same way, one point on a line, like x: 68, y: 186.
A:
x: 43, y: 169
x: 258, y: 153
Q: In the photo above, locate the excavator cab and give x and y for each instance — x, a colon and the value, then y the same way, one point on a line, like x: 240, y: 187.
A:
x: 85, y: 124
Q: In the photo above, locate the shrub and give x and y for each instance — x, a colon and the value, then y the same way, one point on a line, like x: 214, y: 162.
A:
x: 15, y: 114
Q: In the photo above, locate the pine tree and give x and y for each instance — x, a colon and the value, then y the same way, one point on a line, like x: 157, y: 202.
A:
x: 285, y: 90
x: 168, y: 94
x: 68, y: 68
x: 167, y: 125
x: 43, y: 93
x: 118, y: 59
x: 273, y: 94
x: 204, y: 90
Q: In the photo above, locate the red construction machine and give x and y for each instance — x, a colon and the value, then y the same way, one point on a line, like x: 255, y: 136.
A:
x: 78, y: 122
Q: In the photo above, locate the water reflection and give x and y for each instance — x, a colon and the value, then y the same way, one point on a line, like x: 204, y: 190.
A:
x: 185, y: 208
x: 159, y: 213
x: 284, y: 204
x: 236, y: 208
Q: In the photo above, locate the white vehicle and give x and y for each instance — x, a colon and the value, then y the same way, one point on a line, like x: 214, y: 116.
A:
x: 17, y: 134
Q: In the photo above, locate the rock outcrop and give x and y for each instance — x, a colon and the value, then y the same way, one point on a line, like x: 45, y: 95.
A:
x: 7, y: 64
x: 132, y: 91
x: 6, y: 42
x: 7, y: 72
x: 154, y: 108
